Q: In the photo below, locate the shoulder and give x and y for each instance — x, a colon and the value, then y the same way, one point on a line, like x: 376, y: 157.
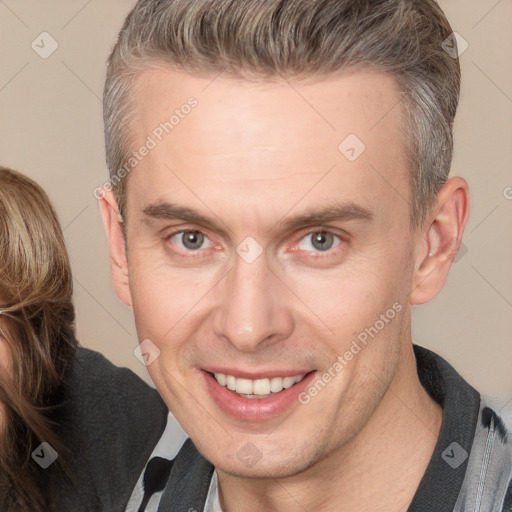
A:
x: 109, y: 421
x: 110, y: 405
x: 93, y: 378
x: 489, y: 471
x: 507, y: 507
x: 507, y: 427
x: 480, y: 435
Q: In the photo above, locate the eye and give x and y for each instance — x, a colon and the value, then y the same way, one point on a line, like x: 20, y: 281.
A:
x: 319, y: 241
x: 189, y: 240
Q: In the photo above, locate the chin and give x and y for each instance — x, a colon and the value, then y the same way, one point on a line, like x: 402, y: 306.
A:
x: 273, y: 469
x: 242, y: 457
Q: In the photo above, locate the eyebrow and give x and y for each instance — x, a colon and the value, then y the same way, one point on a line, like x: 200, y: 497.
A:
x: 170, y: 211
x: 329, y: 213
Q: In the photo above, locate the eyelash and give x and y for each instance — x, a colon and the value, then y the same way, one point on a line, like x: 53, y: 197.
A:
x: 316, y: 254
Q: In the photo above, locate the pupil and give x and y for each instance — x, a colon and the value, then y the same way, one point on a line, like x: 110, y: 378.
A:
x: 192, y: 240
x: 322, y: 241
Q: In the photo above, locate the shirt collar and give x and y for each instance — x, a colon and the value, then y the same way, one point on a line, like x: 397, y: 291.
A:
x: 441, y: 483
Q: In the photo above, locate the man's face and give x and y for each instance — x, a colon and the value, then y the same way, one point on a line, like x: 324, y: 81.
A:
x: 250, y: 158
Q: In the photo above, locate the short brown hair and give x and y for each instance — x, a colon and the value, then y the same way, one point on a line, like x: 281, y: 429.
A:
x: 297, y: 38
x: 37, y: 324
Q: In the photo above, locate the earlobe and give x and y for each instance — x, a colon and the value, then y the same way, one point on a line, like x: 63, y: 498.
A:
x: 113, y: 223
x: 442, y: 237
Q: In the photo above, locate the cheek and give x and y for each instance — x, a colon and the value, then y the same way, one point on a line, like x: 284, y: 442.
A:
x: 169, y: 304
x: 158, y: 307
x: 349, y: 298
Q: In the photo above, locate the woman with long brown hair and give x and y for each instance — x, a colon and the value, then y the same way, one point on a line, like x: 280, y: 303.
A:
x: 36, y: 334
x: 62, y: 407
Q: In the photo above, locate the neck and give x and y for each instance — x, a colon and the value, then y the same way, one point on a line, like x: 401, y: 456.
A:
x: 384, y: 463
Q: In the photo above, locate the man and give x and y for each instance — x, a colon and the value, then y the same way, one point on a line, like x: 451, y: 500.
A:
x: 279, y: 199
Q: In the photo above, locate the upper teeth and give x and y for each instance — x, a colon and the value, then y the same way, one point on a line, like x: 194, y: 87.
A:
x: 258, y: 386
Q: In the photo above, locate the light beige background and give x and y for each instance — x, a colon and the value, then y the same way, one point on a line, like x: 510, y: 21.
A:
x: 51, y: 129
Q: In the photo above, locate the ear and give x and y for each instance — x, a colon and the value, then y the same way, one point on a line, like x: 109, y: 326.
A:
x: 440, y: 240
x: 113, y: 223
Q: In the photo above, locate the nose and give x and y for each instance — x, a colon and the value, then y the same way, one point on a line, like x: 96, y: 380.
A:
x: 252, y: 309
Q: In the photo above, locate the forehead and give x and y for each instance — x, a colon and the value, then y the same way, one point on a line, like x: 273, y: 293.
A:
x: 349, y: 102
x: 268, y: 141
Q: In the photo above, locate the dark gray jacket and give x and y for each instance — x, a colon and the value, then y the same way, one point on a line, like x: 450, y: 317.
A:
x: 110, y: 422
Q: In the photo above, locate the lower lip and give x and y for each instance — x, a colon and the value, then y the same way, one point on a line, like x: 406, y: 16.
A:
x: 256, y: 409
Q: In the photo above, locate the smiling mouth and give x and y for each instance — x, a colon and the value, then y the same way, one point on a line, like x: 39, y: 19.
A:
x: 259, y: 388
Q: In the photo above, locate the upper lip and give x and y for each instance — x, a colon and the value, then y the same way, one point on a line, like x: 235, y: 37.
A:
x: 255, y: 375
